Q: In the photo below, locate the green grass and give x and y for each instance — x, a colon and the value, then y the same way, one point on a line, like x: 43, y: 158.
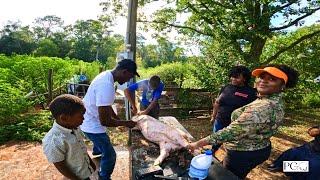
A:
x: 297, y: 122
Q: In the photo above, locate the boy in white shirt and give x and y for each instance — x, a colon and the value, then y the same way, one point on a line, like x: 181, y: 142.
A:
x: 63, y: 145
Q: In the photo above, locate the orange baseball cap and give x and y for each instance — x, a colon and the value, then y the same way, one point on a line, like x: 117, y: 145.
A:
x: 273, y: 71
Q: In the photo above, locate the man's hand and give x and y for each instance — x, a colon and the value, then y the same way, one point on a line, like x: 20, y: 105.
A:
x: 212, y: 121
x: 130, y: 124
x: 142, y: 113
x: 134, y: 110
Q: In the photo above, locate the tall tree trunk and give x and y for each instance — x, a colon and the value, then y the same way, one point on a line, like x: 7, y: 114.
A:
x: 253, y: 57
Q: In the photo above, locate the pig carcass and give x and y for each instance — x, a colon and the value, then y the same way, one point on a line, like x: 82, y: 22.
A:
x: 167, y: 137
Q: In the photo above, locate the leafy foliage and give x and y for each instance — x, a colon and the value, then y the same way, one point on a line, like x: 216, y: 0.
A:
x: 88, y: 40
x: 30, y: 127
x: 23, y: 74
x: 177, y: 73
x: 245, y: 25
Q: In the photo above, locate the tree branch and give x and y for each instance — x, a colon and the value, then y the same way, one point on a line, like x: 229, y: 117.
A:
x: 290, y: 46
x: 277, y: 9
x: 177, y: 26
x: 195, y: 10
x: 220, y: 4
x: 213, y: 16
x: 295, y: 21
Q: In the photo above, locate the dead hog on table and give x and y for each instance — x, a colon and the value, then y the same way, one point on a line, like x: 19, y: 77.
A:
x: 167, y: 137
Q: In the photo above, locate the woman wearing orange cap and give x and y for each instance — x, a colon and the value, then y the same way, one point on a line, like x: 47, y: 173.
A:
x: 247, y: 138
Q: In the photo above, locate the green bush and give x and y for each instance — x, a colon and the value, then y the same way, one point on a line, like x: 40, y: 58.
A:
x: 12, y: 103
x: 193, y: 100
x: 311, y: 100
x: 31, y: 127
x: 179, y: 73
x: 21, y: 74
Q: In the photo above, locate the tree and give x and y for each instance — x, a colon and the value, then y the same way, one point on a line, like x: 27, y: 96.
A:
x: 45, y: 26
x: 63, y: 41
x: 16, y: 39
x: 88, y: 38
x: 47, y: 48
x: 246, y: 25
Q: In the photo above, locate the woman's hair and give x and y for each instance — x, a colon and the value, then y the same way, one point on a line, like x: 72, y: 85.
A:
x: 235, y: 71
x: 66, y: 104
x: 290, y: 72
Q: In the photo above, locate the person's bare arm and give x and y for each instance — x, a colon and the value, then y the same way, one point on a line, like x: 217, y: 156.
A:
x: 92, y: 164
x: 114, y: 115
x: 105, y: 116
x: 198, y: 144
x: 130, y: 96
x: 214, y: 111
x: 64, y: 170
x: 151, y: 105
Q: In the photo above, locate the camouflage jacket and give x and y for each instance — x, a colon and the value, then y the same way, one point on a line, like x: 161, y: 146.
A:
x: 251, y: 125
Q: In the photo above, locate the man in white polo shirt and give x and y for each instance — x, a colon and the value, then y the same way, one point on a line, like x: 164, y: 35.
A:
x: 99, y: 113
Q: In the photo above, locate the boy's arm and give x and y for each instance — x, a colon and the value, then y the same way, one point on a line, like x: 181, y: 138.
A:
x: 130, y: 96
x: 64, y: 170
x: 151, y: 105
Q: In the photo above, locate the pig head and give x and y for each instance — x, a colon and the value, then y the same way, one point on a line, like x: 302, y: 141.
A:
x: 167, y: 137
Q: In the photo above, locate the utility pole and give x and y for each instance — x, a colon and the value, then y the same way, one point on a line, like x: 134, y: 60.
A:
x: 131, y: 28
x: 131, y: 52
x: 131, y: 42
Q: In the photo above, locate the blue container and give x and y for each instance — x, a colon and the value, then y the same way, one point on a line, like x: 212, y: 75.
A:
x: 199, y: 167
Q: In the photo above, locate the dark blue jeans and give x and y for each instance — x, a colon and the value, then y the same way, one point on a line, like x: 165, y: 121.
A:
x: 217, y: 126
x: 102, y: 144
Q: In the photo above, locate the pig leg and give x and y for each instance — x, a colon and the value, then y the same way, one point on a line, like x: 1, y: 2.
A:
x: 165, y: 149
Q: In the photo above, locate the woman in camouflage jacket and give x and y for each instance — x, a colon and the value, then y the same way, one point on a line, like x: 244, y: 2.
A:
x: 247, y: 138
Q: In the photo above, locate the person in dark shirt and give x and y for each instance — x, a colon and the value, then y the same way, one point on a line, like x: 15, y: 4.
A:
x: 232, y: 96
x: 307, y: 152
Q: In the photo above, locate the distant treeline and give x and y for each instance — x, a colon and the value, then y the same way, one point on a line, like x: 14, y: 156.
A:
x: 87, y: 40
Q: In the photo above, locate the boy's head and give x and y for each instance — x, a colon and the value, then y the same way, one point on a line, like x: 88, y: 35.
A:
x: 154, y: 82
x: 68, y: 110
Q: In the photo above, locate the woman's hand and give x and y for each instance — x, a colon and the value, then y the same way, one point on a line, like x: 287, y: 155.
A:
x: 193, y: 146
x: 197, y: 145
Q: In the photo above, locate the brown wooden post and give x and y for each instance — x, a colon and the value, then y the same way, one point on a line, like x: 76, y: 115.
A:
x: 50, y: 84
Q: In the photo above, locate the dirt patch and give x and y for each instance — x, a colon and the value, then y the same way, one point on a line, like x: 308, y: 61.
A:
x: 25, y: 160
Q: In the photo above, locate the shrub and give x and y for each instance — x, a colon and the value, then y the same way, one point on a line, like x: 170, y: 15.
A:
x: 30, y: 127
x: 12, y: 103
x: 178, y: 73
x: 311, y: 100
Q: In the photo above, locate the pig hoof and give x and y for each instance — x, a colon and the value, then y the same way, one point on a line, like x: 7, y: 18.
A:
x: 156, y: 163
